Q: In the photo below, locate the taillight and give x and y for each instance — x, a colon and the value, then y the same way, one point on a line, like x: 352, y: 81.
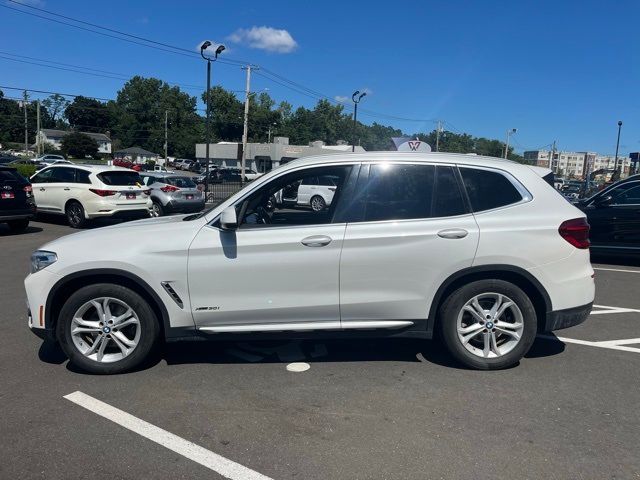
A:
x: 169, y: 188
x: 576, y: 232
x: 103, y: 193
x: 146, y: 192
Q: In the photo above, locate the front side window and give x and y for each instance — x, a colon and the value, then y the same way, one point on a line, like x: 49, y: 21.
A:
x: 286, y: 201
x: 488, y: 189
x: 627, y: 195
x: 43, y: 176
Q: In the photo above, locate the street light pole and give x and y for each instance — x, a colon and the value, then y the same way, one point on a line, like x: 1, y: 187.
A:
x: 206, y: 44
x: 509, y: 133
x: 615, y: 165
x: 356, y: 97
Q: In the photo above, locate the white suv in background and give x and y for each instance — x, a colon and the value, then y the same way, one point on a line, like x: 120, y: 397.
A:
x: 482, y: 251
x: 84, y: 192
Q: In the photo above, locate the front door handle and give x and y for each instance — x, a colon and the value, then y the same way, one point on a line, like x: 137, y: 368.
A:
x: 316, y: 241
x: 67, y: 188
x: 42, y: 189
x: 453, y: 233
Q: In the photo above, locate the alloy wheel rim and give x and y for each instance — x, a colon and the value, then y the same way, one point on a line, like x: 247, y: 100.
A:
x: 105, y: 329
x: 155, y: 210
x: 316, y: 204
x: 74, y: 210
x: 490, y: 325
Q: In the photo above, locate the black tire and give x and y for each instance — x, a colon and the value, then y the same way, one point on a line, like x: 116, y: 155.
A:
x: 452, y: 306
x: 157, y: 210
x: 149, y: 329
x: 317, y: 203
x: 18, y: 225
x: 75, y: 214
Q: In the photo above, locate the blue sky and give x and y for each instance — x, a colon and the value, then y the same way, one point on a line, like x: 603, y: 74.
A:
x: 556, y: 70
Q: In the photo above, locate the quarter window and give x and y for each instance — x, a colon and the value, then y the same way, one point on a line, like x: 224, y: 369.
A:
x: 488, y: 189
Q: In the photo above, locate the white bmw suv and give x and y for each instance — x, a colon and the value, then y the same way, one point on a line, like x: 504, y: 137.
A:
x: 84, y: 192
x: 483, y: 252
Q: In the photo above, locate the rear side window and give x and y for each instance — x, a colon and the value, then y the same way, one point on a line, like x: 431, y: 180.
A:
x: 448, y: 200
x: 120, y: 178
x: 399, y: 192
x: 180, y: 182
x: 488, y: 189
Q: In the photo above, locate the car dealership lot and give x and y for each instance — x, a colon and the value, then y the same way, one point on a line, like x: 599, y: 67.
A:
x: 364, y: 408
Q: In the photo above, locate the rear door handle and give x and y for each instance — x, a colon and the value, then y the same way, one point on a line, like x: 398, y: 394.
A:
x: 67, y: 188
x: 42, y: 189
x: 453, y: 233
x: 316, y: 241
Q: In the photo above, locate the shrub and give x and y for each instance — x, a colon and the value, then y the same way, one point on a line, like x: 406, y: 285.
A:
x: 26, y: 170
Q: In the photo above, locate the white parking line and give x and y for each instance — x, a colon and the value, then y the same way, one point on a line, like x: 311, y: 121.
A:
x: 609, y: 344
x: 198, y: 454
x: 605, y: 309
x: 616, y: 270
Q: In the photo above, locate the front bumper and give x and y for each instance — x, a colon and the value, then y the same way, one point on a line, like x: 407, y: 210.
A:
x: 569, y: 317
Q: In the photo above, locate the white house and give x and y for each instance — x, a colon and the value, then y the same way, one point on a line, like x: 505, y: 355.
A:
x: 54, y: 138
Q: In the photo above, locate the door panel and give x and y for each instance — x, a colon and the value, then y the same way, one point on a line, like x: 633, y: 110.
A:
x: 265, y: 275
x: 391, y: 270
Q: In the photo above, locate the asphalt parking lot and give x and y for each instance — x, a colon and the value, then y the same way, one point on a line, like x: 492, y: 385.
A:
x: 365, y: 409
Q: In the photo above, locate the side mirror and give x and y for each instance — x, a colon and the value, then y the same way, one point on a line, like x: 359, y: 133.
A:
x: 229, y: 219
x: 603, y: 201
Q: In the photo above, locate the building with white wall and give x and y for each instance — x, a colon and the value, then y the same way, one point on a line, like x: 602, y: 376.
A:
x: 575, y: 164
x: 54, y: 138
x: 263, y: 157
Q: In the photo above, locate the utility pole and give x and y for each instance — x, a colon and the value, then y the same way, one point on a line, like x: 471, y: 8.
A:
x: 506, y: 145
x: 38, y: 142
x: 438, y: 136
x: 166, y: 136
x: 245, y: 132
x: 615, y: 165
x: 26, y: 129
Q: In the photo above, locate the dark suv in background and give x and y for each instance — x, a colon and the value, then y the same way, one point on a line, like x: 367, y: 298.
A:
x: 17, y: 205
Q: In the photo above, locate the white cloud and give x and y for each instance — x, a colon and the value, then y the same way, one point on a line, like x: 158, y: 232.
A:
x: 341, y: 99
x: 31, y: 3
x: 265, y: 38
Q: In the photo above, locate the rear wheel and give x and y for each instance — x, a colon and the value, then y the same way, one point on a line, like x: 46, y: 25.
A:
x: 107, y: 328
x: 488, y: 324
x: 157, y: 210
x: 317, y: 203
x: 75, y: 215
x: 18, y: 225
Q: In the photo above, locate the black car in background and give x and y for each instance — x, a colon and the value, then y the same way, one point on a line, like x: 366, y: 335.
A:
x: 17, y: 205
x: 614, y: 216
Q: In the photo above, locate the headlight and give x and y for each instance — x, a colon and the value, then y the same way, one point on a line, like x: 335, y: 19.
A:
x: 41, y: 259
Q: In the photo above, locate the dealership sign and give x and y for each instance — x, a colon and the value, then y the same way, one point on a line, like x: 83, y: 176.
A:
x: 414, y: 146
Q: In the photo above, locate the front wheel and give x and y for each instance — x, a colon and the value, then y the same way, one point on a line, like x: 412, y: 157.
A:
x: 107, y: 328
x: 488, y: 324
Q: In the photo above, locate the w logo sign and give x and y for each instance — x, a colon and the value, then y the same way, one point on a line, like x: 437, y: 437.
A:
x: 414, y: 144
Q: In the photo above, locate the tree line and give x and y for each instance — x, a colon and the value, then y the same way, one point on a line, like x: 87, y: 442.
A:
x: 137, y: 118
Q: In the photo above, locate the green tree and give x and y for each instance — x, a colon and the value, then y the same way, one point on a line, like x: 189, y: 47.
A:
x: 55, y: 105
x: 138, y: 116
x: 227, y: 115
x: 79, y: 145
x: 88, y: 114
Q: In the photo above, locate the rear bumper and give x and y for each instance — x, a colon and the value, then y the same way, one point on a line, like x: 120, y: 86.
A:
x: 23, y: 213
x: 569, y: 317
x: 126, y: 214
x: 186, y: 205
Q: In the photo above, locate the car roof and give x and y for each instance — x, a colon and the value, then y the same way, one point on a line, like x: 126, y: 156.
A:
x: 432, y: 157
x: 93, y: 168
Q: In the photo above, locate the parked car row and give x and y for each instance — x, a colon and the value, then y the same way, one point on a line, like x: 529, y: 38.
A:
x: 85, y: 192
